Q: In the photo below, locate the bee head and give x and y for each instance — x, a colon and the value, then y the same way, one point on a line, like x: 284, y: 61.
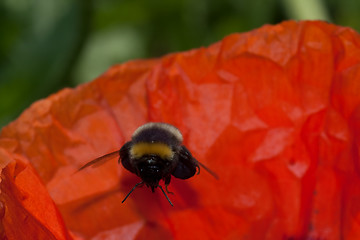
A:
x: 151, y: 169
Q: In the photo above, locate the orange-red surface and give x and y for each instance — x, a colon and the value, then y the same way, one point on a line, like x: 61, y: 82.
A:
x: 275, y: 112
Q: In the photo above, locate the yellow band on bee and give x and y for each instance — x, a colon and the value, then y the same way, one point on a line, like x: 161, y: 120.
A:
x: 160, y: 149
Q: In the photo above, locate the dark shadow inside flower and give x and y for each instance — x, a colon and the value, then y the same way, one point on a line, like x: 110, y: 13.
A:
x: 185, y: 192
x: 154, y: 229
x: 184, y: 196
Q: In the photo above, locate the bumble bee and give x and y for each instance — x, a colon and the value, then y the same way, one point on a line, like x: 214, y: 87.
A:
x: 155, y: 153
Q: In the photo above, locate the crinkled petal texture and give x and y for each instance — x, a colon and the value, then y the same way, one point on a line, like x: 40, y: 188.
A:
x: 275, y: 112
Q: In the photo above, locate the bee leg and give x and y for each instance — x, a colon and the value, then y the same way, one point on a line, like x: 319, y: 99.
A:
x: 167, y: 182
x: 136, y: 185
x: 166, y: 196
x: 166, y: 188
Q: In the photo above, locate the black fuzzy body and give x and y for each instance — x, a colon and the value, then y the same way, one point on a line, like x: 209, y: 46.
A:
x: 152, y: 168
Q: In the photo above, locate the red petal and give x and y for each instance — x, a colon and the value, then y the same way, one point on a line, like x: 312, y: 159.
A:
x: 275, y: 112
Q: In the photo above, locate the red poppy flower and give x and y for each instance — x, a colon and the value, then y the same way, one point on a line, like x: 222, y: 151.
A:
x: 275, y: 112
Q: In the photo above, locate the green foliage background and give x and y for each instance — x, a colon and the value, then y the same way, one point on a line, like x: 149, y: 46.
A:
x: 47, y: 45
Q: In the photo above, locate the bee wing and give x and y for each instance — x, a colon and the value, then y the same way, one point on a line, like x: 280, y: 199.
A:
x: 125, y: 157
x: 100, y: 160
x: 188, y: 165
x: 208, y: 170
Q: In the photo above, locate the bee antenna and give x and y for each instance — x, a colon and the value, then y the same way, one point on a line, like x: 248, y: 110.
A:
x: 136, y: 185
x: 166, y: 195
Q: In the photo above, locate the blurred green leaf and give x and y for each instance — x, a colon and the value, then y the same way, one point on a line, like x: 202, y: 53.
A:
x: 346, y: 13
x: 47, y: 45
x: 43, y: 57
x: 106, y: 48
x: 306, y: 9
